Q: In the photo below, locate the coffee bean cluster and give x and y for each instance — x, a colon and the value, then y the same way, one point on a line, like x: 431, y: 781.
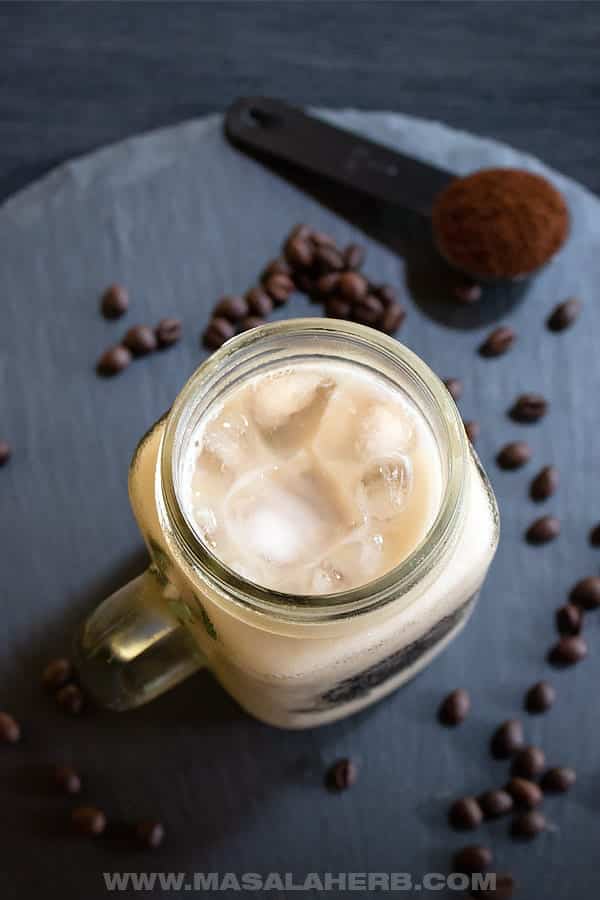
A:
x: 314, y: 265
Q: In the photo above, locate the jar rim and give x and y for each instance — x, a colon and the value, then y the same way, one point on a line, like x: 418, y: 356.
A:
x: 315, y: 607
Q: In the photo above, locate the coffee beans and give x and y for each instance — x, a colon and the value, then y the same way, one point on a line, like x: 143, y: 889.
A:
x: 495, y: 803
x: 140, y: 339
x: 299, y: 252
x: 524, y: 792
x: 473, y: 859
x: 558, y: 780
x: 386, y: 294
x: 507, y: 739
x: 114, y: 302
x: 465, y: 813
x: 354, y: 256
x: 5, y: 452
x: 232, y: 308
x: 279, y: 287
x: 392, y: 318
x: 455, y: 707
x: 544, y: 484
x: 528, y: 824
x: 564, y: 315
x: 586, y: 593
x: 455, y: 388
x: 540, y: 697
x: 10, y: 730
x: 70, y: 698
x: 499, y: 341
x: 88, y: 820
x: 57, y: 673
x: 543, y: 530
x: 368, y: 311
x: 529, y: 762
x: 353, y: 286
x: 327, y: 284
x: 342, y: 775
x: 276, y: 267
x: 473, y: 429
x: 251, y: 322
x: 529, y: 408
x: 217, y: 332
x: 338, y: 308
x: 503, y: 890
x: 150, y: 834
x: 569, y: 619
x: 514, y: 455
x: 114, y: 360
x: 68, y: 779
x: 328, y: 259
x: 168, y: 332
x: 568, y: 651
x: 259, y: 303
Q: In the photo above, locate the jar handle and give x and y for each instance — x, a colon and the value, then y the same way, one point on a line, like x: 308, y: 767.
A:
x: 131, y: 648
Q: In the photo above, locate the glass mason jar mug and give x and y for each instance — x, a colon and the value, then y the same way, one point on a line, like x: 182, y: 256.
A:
x: 291, y: 661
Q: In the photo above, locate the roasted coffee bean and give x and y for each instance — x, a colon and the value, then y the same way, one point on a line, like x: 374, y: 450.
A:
x: 558, y: 780
x: 10, y: 730
x: 301, y: 230
x: 544, y: 484
x: 338, y: 308
x: 114, y: 302
x: 467, y: 292
x: 543, y: 530
x: 342, y: 774
x: 564, y: 315
x: 150, y: 834
x: 305, y: 283
x: 231, y: 307
x: 495, y: 803
x: 524, y: 792
x: 472, y: 859
x: 594, y: 534
x: 114, y: 360
x: 392, y: 319
x: 473, y: 430
x: 70, y: 698
x: 368, y: 311
x: 498, y: 341
x: 353, y: 286
x: 514, y: 455
x: 455, y: 388
x: 386, y: 293
x: 321, y: 238
x: 586, y: 593
x: 299, y: 252
x: 529, y: 408
x: 68, y: 779
x: 88, y: 820
x: 465, y: 813
x: 279, y: 287
x: 507, y: 739
x: 328, y: 259
x: 528, y: 824
x: 540, y: 697
x: 327, y: 284
x: 251, y: 322
x: 568, y: 651
x: 455, y: 708
x: 259, y: 303
x: 276, y: 267
x: 503, y: 890
x: 5, y: 452
x: 168, y: 332
x: 529, y: 762
x: 354, y: 256
x: 217, y: 332
x: 140, y: 339
x: 57, y: 673
x: 569, y: 619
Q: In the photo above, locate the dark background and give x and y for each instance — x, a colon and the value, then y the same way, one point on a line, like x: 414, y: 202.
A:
x: 236, y: 795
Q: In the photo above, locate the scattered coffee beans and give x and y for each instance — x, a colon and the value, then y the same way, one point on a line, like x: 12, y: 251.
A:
x: 529, y: 408
x: 276, y: 267
x: 150, y: 834
x: 279, y: 287
x: 251, y: 322
x: 569, y: 619
x: 586, y: 593
x: 465, y: 813
x: 342, y: 775
x: 392, y: 319
x: 57, y: 673
x: 68, y: 779
x: 524, y: 792
x: 168, y: 332
x: 544, y: 484
x: 558, y: 780
x: 503, y: 890
x: 232, y: 308
x: 529, y: 762
x: 338, y: 308
x: 543, y: 530
x: 114, y: 302
x: 540, y: 697
x: 466, y: 292
x: 514, y: 455
x: 88, y: 820
x: 353, y: 287
x: 354, y: 256
x: 528, y: 824
x: 70, y: 698
x: 5, y: 452
x: 258, y: 303
x: 498, y: 341
x: 495, y: 803
x: 455, y: 707
x: 594, y: 535
x: 472, y: 859
x: 455, y: 388
x: 217, y: 332
x: 10, y: 730
x: 140, y: 339
x: 568, y: 651
x: 507, y: 739
x: 473, y: 430
x: 564, y: 315
x: 327, y: 284
x: 114, y: 360
x: 386, y: 293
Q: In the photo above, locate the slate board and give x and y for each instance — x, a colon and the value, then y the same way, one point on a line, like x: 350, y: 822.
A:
x: 180, y: 218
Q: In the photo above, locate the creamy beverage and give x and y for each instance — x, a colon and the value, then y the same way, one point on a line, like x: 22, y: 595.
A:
x: 314, y: 478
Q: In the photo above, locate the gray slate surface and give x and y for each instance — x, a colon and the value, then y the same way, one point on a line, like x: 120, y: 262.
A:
x: 180, y: 217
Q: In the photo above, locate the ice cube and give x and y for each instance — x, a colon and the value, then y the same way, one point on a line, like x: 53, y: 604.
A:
x: 206, y: 522
x: 287, y: 407
x: 336, y: 437
x: 384, y: 487
x: 356, y: 560
x: 385, y: 432
x: 227, y: 439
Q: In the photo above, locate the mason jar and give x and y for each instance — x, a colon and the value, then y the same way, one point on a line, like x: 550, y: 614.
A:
x: 292, y: 661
